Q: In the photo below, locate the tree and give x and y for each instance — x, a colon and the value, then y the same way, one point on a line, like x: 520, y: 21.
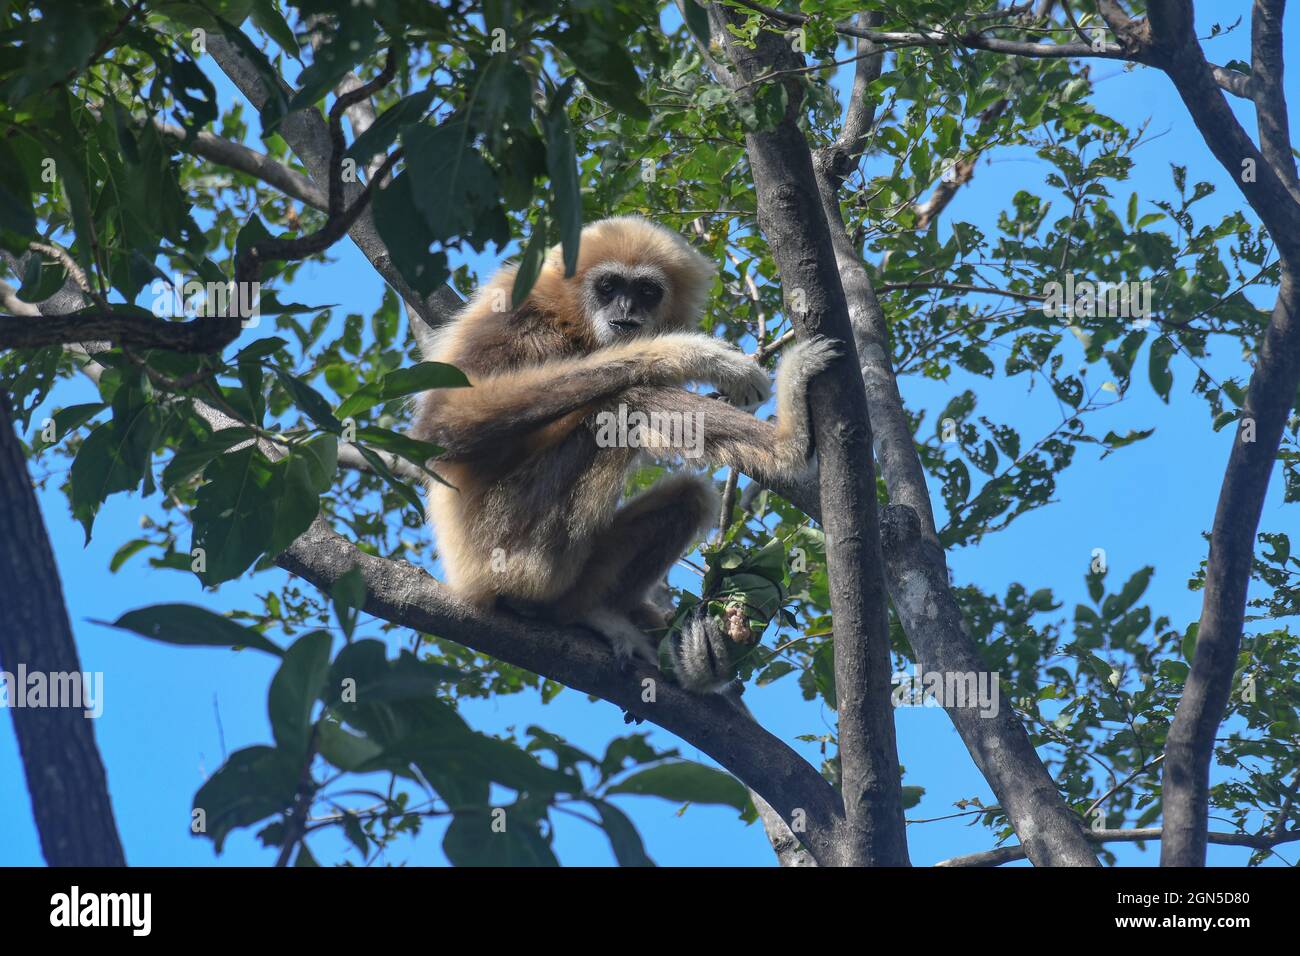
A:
x: 419, y: 132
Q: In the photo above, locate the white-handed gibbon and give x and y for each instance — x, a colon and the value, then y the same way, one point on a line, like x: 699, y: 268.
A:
x: 533, y: 518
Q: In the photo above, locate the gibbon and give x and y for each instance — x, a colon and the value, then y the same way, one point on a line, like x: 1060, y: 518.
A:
x: 532, y: 519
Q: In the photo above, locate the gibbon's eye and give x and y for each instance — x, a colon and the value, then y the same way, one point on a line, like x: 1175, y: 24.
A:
x: 605, y: 286
x: 648, y: 293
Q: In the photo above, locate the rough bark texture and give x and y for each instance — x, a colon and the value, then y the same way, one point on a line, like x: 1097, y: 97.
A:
x: 916, y: 570
x: 1190, y: 745
x: 1049, y: 831
x: 406, y: 595
x: 1269, y: 398
x: 65, y: 776
x: 790, y: 215
x: 308, y: 136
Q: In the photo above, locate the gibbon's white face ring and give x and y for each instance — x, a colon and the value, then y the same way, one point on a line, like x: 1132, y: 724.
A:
x: 623, y: 300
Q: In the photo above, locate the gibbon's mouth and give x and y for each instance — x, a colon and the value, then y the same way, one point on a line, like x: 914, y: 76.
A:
x: 625, y: 325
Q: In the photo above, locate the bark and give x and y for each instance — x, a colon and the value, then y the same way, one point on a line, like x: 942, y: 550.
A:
x: 1190, y: 744
x: 1006, y: 854
x: 790, y: 216
x: 65, y: 776
x: 1189, y: 748
x: 307, y: 134
x: 406, y: 595
x: 916, y: 571
x: 1050, y: 832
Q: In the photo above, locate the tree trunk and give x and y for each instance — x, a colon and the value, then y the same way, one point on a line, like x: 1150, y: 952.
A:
x: 65, y: 775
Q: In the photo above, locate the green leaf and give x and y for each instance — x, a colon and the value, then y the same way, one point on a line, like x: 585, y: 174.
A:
x: 471, y: 840
x: 697, y: 20
x: 407, y: 236
x: 623, y: 838
x: 310, y: 401
x: 67, y: 420
x: 562, y: 166
x: 402, y: 488
x: 268, y: 19
x: 452, y: 186
x: 193, y: 458
x: 189, y: 625
x: 349, y: 42
x: 349, y: 595
x: 384, y: 131
x: 530, y: 264
x: 295, y: 688
x: 1162, y: 379
x: 234, y: 514
x: 415, y: 451
x: 686, y: 782
x: 125, y: 553
x: 253, y: 784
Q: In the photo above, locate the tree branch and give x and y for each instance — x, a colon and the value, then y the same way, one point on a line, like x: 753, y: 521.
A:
x: 1006, y: 854
x: 790, y: 216
x: 1130, y: 47
x: 1266, y: 61
x: 240, y: 158
x: 1189, y: 747
x: 916, y: 571
x: 308, y: 136
x: 406, y: 595
x: 65, y: 774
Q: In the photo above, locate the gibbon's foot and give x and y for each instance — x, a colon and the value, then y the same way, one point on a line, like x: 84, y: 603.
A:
x: 649, y: 616
x: 701, y: 653
x: 628, y: 640
x: 522, y: 607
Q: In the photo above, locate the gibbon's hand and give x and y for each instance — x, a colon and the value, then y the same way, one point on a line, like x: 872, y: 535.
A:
x: 742, y: 381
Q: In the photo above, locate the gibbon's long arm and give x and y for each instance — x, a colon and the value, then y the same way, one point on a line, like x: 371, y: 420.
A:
x: 505, y: 406
x: 733, y: 437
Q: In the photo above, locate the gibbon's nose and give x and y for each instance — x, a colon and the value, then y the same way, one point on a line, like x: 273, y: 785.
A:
x: 624, y: 308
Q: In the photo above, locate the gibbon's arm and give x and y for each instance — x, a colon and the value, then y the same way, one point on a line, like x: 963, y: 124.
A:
x: 676, y: 420
x: 505, y: 406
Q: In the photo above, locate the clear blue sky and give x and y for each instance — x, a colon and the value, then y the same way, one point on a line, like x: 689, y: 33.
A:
x: 1147, y: 504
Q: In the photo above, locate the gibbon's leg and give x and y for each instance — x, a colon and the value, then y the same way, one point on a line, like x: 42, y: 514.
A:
x: 680, y: 423
x: 632, y: 555
x: 474, y: 422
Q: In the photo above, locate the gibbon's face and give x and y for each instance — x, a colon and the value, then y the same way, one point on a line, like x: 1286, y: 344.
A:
x: 624, y: 300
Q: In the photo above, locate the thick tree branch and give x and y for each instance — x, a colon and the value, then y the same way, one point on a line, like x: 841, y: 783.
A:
x: 240, y: 158
x: 1266, y: 87
x: 1189, y: 747
x: 915, y: 569
x: 790, y: 216
x: 1007, y: 854
x: 1173, y: 47
x: 308, y: 136
x: 1052, y: 833
x: 406, y: 595
x: 1131, y: 46
x: 65, y: 774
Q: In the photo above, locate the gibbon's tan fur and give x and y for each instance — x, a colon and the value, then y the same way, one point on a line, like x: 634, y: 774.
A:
x: 533, y: 519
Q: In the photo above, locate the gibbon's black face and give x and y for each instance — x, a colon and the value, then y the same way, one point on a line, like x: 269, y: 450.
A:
x: 623, y: 300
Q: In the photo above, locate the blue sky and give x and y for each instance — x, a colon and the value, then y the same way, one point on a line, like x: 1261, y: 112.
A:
x: 168, y: 710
